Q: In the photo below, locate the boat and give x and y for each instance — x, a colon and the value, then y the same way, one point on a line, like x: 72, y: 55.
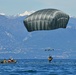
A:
x: 8, y: 61
x: 50, y: 58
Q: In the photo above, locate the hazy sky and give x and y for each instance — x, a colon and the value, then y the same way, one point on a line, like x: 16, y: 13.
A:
x: 13, y: 7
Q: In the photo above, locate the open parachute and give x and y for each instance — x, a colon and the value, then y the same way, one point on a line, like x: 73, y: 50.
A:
x: 46, y: 19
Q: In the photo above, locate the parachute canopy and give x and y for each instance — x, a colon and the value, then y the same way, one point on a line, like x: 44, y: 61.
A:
x: 46, y: 19
x: 49, y: 49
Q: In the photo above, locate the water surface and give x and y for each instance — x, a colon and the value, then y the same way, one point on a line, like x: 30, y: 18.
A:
x: 39, y: 67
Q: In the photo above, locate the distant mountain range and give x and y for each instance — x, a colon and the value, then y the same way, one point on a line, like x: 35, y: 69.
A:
x: 17, y: 42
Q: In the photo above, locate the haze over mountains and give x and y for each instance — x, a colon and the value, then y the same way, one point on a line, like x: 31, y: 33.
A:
x: 17, y: 42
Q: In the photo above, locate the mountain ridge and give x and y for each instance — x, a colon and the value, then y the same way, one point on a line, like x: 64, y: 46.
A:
x: 17, y: 42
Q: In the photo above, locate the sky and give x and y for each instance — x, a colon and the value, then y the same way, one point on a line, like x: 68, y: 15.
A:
x: 14, y: 7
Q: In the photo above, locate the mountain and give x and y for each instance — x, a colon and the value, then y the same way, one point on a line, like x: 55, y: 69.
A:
x: 17, y: 42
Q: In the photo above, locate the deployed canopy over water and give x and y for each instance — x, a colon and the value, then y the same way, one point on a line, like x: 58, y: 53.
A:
x: 49, y: 49
x: 46, y: 19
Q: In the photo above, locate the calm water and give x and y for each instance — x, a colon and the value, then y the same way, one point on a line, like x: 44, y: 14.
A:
x: 39, y: 67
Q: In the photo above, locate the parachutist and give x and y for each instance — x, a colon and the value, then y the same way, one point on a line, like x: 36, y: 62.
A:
x: 50, y: 58
x: 46, y: 19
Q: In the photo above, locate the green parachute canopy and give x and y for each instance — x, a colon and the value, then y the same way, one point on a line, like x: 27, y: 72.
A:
x: 46, y: 19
